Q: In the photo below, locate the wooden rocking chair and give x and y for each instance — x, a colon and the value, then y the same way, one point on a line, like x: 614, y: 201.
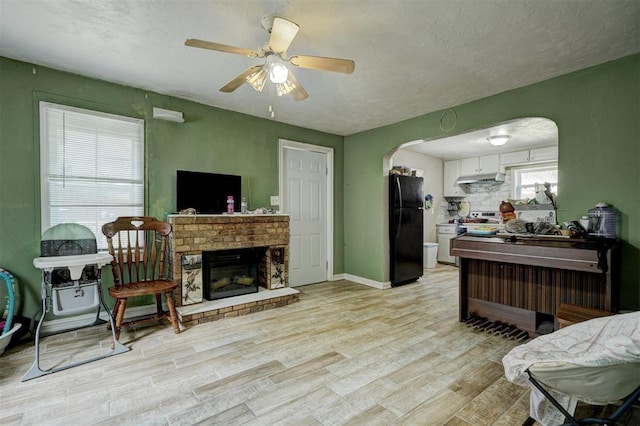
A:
x: 138, y: 246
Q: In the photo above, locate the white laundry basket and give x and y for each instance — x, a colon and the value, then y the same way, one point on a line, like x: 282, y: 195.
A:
x: 430, y: 255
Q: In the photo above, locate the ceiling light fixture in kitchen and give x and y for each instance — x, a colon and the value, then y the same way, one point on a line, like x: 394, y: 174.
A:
x: 498, y: 140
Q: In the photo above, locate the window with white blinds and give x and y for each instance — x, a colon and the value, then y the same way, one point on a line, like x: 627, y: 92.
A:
x: 91, y: 167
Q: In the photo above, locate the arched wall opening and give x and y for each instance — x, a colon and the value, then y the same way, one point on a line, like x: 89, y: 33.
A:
x: 525, y: 134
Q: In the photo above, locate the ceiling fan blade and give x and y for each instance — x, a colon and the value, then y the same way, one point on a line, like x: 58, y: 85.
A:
x: 298, y: 92
x: 202, y: 44
x: 345, y: 66
x: 239, y: 80
x: 282, y: 34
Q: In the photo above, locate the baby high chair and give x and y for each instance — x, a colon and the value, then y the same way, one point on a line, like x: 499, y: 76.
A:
x: 71, y: 285
x: 595, y: 361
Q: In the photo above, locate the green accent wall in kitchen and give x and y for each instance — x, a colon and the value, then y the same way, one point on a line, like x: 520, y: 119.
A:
x: 211, y: 140
x: 597, y: 111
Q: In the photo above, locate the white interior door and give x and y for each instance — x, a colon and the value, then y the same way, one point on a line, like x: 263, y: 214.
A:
x: 304, y: 199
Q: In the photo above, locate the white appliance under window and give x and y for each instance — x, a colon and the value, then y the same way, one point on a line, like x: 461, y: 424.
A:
x: 536, y: 213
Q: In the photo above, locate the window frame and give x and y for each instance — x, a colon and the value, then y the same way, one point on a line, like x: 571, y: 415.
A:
x: 518, y: 170
x: 45, y: 177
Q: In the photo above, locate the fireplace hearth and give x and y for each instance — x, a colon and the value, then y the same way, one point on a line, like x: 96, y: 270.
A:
x: 232, y: 272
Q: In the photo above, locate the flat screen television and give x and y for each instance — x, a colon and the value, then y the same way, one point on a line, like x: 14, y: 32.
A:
x: 207, y: 192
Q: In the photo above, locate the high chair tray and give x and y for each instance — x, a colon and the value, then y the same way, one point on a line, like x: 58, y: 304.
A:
x: 52, y: 262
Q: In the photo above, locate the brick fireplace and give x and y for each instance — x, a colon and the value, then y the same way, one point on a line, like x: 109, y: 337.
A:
x: 194, y: 235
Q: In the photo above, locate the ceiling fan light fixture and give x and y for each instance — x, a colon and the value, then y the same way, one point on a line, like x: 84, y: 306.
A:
x: 284, y: 87
x: 274, y: 51
x: 258, y: 79
x: 278, y: 73
x: 498, y: 140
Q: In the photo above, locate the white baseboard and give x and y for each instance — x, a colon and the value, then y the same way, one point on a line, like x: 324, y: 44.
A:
x: 68, y: 323
x: 366, y: 281
x: 338, y: 277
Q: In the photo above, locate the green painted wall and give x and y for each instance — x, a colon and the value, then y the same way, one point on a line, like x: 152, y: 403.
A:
x: 597, y: 111
x: 211, y: 140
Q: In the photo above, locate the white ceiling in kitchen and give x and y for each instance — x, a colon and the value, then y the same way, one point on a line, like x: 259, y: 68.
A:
x: 412, y: 57
x: 524, y: 133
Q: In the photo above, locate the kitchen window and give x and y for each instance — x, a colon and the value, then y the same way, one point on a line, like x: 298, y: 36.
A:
x: 91, y: 167
x: 528, y: 180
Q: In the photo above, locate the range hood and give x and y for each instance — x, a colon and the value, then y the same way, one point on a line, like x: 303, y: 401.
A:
x: 484, y: 177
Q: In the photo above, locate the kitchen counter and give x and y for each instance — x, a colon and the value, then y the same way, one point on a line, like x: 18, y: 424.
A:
x: 523, y: 280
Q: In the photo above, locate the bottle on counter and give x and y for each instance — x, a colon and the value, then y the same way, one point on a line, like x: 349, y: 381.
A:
x: 584, y: 221
x: 230, y: 204
x: 243, y: 206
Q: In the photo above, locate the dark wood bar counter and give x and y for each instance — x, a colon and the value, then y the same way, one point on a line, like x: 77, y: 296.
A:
x: 523, y: 280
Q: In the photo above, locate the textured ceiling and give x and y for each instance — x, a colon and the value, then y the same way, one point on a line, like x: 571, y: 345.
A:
x: 524, y: 133
x: 412, y: 57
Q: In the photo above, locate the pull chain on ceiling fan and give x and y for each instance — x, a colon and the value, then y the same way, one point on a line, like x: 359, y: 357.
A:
x: 274, y: 51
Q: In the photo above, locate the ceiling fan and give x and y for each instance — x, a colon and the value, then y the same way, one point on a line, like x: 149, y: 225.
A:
x: 274, y: 52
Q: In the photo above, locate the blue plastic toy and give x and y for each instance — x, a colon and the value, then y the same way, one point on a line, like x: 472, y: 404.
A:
x: 10, y: 304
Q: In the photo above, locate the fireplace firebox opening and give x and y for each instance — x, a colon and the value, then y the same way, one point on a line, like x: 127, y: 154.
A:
x: 232, y: 272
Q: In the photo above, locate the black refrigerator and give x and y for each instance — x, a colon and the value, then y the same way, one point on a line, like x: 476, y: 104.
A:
x: 406, y: 208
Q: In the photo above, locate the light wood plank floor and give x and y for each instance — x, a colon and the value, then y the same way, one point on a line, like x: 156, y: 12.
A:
x: 345, y: 354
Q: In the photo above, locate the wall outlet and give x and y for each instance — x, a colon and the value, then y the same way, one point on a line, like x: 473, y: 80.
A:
x: 275, y: 200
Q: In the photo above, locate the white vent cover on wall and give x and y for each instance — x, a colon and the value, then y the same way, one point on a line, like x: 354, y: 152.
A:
x: 167, y: 115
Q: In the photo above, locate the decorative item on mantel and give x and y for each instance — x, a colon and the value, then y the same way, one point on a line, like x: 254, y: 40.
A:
x: 263, y: 210
x: 273, y: 268
x: 191, y: 279
x: 230, y: 204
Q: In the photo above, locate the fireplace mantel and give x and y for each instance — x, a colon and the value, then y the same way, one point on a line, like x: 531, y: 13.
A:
x: 194, y: 234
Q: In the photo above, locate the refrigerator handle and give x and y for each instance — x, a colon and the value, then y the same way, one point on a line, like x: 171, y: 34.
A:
x: 397, y: 179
